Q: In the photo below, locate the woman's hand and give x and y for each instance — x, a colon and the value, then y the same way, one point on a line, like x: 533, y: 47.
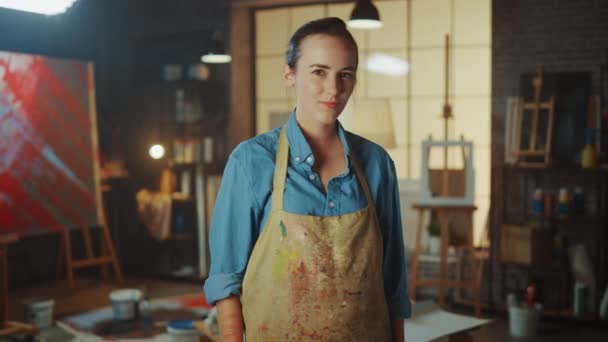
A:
x: 230, y: 319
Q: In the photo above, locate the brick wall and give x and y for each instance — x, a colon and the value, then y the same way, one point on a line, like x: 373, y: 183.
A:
x: 560, y: 35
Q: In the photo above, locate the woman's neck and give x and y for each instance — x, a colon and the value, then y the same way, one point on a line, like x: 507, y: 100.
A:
x: 319, y: 136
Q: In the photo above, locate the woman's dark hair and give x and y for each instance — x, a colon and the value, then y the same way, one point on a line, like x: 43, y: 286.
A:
x: 332, y: 26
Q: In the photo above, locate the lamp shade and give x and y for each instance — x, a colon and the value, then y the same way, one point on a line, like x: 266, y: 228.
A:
x: 365, y: 16
x: 216, y: 54
x: 371, y: 119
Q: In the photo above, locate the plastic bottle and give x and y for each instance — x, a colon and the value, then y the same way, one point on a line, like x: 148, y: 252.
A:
x: 537, y: 202
x: 588, y: 156
x: 563, y: 200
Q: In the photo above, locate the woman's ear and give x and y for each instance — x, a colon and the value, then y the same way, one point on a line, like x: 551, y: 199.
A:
x: 288, y: 75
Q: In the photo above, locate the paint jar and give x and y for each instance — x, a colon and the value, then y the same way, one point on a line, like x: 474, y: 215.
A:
x: 125, y: 303
x: 182, y: 331
x: 39, y: 312
x: 537, y: 202
x: 523, y: 321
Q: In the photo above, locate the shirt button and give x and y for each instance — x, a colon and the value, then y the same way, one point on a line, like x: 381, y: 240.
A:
x: 309, y: 160
x: 312, y: 177
x: 297, y: 159
x: 331, y: 204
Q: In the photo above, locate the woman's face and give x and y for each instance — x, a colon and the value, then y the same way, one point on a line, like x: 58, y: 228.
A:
x: 324, y: 77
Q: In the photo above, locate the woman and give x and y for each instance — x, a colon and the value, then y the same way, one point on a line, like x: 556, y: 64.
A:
x: 306, y: 239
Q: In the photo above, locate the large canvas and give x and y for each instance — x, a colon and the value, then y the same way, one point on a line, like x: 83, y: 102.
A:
x: 48, y: 145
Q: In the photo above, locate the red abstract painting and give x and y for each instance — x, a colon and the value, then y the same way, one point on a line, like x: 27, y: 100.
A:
x: 48, y: 145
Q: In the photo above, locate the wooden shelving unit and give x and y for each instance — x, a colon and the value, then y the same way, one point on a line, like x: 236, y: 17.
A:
x: 590, y: 228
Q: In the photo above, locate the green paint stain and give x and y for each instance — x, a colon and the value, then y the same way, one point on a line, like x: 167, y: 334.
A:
x: 283, y: 229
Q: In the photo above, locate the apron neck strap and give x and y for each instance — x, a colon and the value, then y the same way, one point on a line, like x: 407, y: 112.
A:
x: 362, y: 181
x: 280, y: 174
x: 280, y: 171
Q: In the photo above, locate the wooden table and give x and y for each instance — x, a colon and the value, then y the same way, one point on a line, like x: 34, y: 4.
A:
x: 444, y: 215
x: 8, y: 328
x: 498, y: 331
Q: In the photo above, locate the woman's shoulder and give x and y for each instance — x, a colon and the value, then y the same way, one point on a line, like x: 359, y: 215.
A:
x: 258, y: 148
x: 367, y: 151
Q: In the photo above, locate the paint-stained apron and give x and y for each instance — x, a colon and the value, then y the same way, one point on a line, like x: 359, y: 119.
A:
x: 315, y: 277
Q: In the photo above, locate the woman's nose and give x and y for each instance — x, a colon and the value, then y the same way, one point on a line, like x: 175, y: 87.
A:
x: 332, y: 85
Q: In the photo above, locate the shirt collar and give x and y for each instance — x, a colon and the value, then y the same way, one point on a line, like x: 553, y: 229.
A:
x: 299, y: 148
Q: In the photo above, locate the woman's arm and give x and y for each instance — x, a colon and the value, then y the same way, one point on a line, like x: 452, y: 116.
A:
x: 234, y: 228
x: 398, y: 331
x: 230, y: 319
x: 394, y: 265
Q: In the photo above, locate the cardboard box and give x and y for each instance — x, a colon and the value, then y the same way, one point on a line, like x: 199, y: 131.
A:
x: 525, y: 245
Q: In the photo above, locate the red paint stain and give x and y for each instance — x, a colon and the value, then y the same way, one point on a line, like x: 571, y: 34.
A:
x: 302, y: 268
x: 299, y: 282
x: 323, y: 294
x: 263, y: 328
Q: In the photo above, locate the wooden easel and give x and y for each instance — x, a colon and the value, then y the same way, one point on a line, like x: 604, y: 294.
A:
x: 107, y: 257
x: 451, y: 184
x: 108, y: 253
x: 536, y: 149
x: 8, y: 328
x: 446, y: 214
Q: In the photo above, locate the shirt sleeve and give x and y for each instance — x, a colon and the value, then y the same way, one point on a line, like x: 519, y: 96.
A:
x: 395, y: 268
x: 232, y: 234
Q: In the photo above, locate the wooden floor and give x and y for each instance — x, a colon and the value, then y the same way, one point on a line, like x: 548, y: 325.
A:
x: 92, y: 294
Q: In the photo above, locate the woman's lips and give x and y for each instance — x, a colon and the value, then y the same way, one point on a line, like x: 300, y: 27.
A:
x: 330, y: 104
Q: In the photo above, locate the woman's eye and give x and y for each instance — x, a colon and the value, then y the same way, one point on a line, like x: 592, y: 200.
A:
x: 319, y: 72
x: 347, y: 76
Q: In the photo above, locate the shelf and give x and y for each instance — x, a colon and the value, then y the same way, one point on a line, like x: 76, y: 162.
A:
x: 182, y: 199
x: 568, y: 314
x: 582, y: 221
x: 215, y: 168
x: 603, y: 170
x: 559, y: 315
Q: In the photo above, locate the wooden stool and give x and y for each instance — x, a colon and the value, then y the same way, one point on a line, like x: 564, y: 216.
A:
x: 8, y: 328
x: 444, y: 215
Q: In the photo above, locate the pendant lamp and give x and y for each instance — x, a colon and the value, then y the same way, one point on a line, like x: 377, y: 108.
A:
x: 365, y: 16
x: 216, y: 53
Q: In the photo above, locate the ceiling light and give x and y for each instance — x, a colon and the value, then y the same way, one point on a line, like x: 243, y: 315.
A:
x: 213, y: 58
x: 47, y: 7
x: 365, y: 16
x: 216, y: 53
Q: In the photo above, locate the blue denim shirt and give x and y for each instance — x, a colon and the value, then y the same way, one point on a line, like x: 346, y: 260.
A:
x: 243, y: 205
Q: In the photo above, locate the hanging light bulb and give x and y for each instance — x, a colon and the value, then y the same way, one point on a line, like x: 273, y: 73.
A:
x: 157, y: 151
x: 216, y: 54
x: 365, y: 16
x: 216, y: 58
